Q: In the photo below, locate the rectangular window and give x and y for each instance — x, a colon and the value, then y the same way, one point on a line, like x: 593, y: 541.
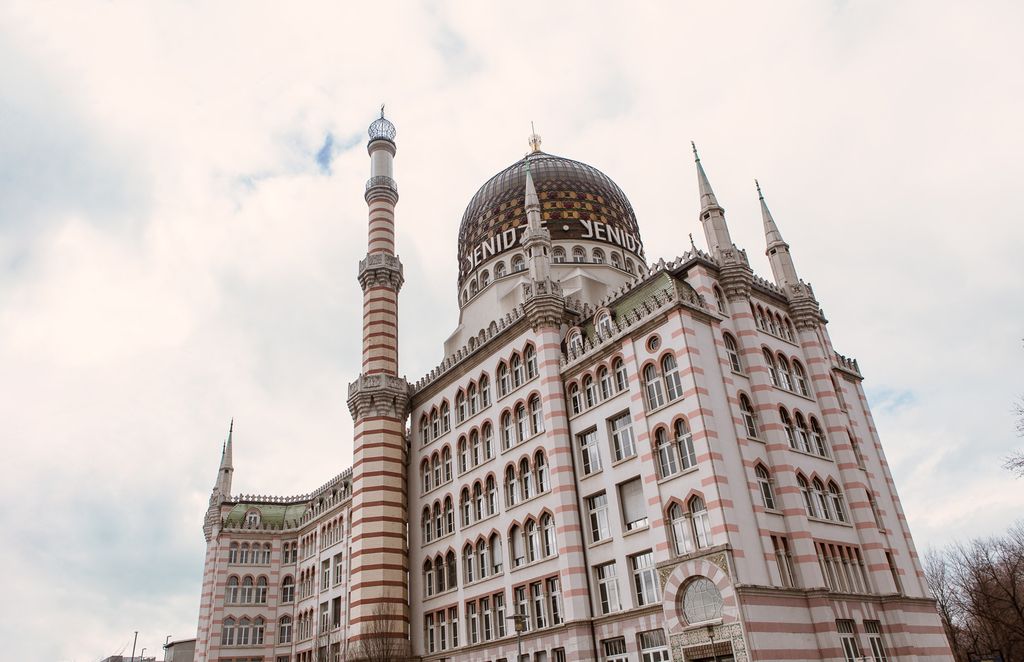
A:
x: 499, y: 613
x: 784, y: 560
x: 537, y: 597
x: 848, y: 639
x: 608, y: 587
x: 631, y: 500
x: 442, y: 630
x: 339, y: 563
x: 554, y: 591
x: 453, y: 626
x: 874, y: 630
x: 558, y: 655
x: 590, y: 455
x: 485, y: 612
x: 472, y: 624
x: 540, y: 656
x: 645, y: 578
x: 336, y: 612
x: 597, y: 506
x: 623, y: 444
x: 325, y: 574
x: 615, y: 650
x: 428, y: 632
x: 894, y: 571
x: 653, y: 647
x: 522, y: 607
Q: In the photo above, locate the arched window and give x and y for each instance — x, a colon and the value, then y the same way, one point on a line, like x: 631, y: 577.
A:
x: 702, y: 601
x: 629, y: 265
x: 516, y: 364
x: 258, y: 631
x: 460, y: 406
x: 428, y: 577
x: 446, y: 418
x: 438, y: 520
x: 244, y: 556
x: 492, y: 496
x: 473, y: 288
x: 465, y: 507
x: 579, y: 254
x: 652, y: 385
x: 684, y: 441
x: 839, y: 392
x: 604, y: 324
x: 288, y: 589
x: 468, y: 560
x: 530, y: 359
x: 805, y: 491
x: 761, y: 319
x: 244, y: 631
x: 503, y: 381
x: 670, y: 372
x: 802, y: 434
x: 773, y: 371
x: 518, y: 263
x: 525, y: 479
x: 481, y: 559
x: 855, y: 445
x: 598, y: 256
x: 227, y: 633
x: 425, y: 467
x: 494, y: 549
x: 449, y: 515
x: 574, y: 341
x: 621, y: 378
x: 511, y: 487
x: 499, y: 270
x: 666, y: 450
x: 508, y: 434
x: 261, y: 590
x: 838, y: 503
x: 540, y: 466
x: 231, y: 592
x: 785, y: 376
x: 284, y: 630
x: 485, y: 278
x: 749, y: 419
x: 558, y: 253
x: 487, y: 433
x: 820, y: 445
x: 473, y: 399
x: 424, y: 429
x: 536, y: 415
x: 732, y: 353
x: 789, y: 330
x: 515, y: 547
x: 425, y: 524
x: 233, y: 553
x: 547, y: 525
x: 772, y: 326
x: 800, y: 378
x: 463, y: 448
x: 616, y: 260
x: 247, y: 590
x: 701, y: 524
x: 575, y: 401
x: 680, y: 538
x: 821, y: 500
x: 719, y: 299
x: 435, y: 465
x: 764, y: 483
x: 532, y: 541
x: 266, y: 552
x: 478, y: 501
x: 604, y: 378
x: 485, y: 392
x: 521, y: 429
x: 474, y: 448
x: 446, y: 462
x: 589, y: 391
x: 435, y: 424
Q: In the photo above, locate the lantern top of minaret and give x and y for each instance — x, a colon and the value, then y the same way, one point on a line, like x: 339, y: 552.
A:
x: 382, y: 128
x: 534, y: 140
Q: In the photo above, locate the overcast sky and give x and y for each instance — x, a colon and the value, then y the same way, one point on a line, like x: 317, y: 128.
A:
x: 181, y: 215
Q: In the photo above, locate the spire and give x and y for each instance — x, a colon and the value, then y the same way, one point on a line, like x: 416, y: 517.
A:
x: 534, y: 140
x: 226, y: 469
x: 712, y: 215
x: 777, y: 249
x: 537, y: 239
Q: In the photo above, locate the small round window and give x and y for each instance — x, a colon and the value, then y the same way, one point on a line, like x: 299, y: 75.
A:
x: 702, y: 601
x: 653, y: 343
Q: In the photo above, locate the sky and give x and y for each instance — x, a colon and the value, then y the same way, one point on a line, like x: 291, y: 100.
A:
x: 181, y: 217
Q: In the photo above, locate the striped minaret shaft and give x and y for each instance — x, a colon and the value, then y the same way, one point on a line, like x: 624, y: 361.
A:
x: 379, y: 590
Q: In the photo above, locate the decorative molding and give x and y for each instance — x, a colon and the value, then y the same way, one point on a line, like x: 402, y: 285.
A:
x: 382, y: 187
x: 381, y: 269
x: 378, y: 395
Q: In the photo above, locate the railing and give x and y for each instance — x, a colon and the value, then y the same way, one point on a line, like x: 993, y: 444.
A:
x: 382, y: 181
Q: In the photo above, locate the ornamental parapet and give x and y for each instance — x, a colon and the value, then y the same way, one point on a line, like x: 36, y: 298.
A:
x: 378, y: 395
x: 846, y: 363
x: 381, y: 186
x: 381, y: 269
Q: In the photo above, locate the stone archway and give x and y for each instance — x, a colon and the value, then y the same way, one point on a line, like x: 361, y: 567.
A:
x: 716, y: 640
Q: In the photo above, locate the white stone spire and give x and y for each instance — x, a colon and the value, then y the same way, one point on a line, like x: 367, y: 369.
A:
x: 226, y: 469
x: 536, y: 239
x: 778, y: 250
x: 712, y: 215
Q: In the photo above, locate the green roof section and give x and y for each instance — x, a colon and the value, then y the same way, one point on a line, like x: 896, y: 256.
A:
x: 271, y: 514
x: 634, y: 298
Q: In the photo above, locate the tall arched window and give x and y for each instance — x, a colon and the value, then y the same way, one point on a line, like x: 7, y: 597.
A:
x: 838, y: 503
x: 435, y: 424
x: 451, y: 570
x: 787, y: 426
x: 764, y: 483
x: 575, y: 401
x: 532, y: 541
x: 667, y: 462
x: 773, y: 371
x: 492, y: 496
x: 802, y: 433
x: 288, y: 589
x: 515, y: 547
x: 494, y: 549
x: 438, y: 520
x: 258, y: 631
x: 435, y: 465
x: 530, y: 359
x: 680, y: 538
x: 670, y: 371
x: 487, y: 434
x: 516, y: 365
x: 603, y: 323
x: 482, y: 568
x: 820, y: 445
x: 652, y: 385
x: 732, y: 352
x: 478, y: 501
x: 426, y: 474
x: 525, y: 479
x: 547, y: 525
x: 247, y: 590
x: 521, y: 429
x: 821, y: 499
x: 604, y: 379
x: 749, y: 419
x: 446, y: 462
x: 244, y: 631
x: 503, y: 380
x: 785, y: 376
x: 511, y: 487
x: 426, y: 525
x: 460, y: 406
x: 467, y: 564
x: 684, y: 442
x: 284, y: 630
x: 474, y: 448
x: 424, y: 429
x: 449, y: 515
x: 463, y: 449
x: 227, y: 633
x: 536, y: 416
x: 231, y: 592
x: 465, y: 507
x: 574, y: 341
x: 621, y: 378
x: 508, y: 434
x: 485, y: 391
x: 589, y: 391
x: 541, y: 468
x: 233, y: 553
x: 446, y: 417
x: 700, y: 522
x: 800, y: 377
x: 473, y: 398
x: 789, y: 330
x: 261, y: 590
x: 719, y: 299
x: 805, y: 492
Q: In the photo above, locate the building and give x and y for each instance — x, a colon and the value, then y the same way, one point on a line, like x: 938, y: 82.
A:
x: 617, y: 460
x: 182, y: 650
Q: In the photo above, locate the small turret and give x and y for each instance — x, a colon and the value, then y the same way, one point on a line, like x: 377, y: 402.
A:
x: 712, y: 215
x: 536, y: 239
x: 777, y: 250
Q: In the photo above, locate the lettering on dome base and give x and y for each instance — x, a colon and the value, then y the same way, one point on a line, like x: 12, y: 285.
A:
x: 585, y: 230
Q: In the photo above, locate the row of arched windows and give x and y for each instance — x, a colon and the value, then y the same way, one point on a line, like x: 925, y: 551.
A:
x: 821, y: 502
x: 521, y: 422
x: 305, y: 625
x: 771, y: 322
x: 690, y: 526
x: 440, y: 574
x: 476, y: 448
x: 674, y: 449
x: 593, y: 389
x: 662, y: 383
x: 533, y: 541
x: 783, y: 376
x: 332, y: 532
x: 439, y: 520
x: 247, y: 590
x: 243, y: 632
x: 525, y: 480
x: 306, y: 582
x: 472, y: 399
x: 519, y: 369
x: 436, y: 423
x: 437, y: 469
x: 801, y: 437
x: 245, y: 553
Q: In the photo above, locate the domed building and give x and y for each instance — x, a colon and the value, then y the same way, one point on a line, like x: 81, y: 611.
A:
x: 616, y: 460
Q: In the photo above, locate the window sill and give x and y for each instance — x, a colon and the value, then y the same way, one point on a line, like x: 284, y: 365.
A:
x: 677, y: 474
x: 603, y: 541
x: 597, y: 404
x: 702, y: 625
x: 774, y: 511
x: 803, y: 452
x: 469, y: 419
x: 829, y: 521
x: 482, y: 580
x: 665, y: 406
x: 633, y: 532
x: 509, y: 508
x: 436, y: 487
x: 515, y: 446
x: 625, y: 459
x: 470, y: 469
x: 515, y: 389
x: 530, y: 564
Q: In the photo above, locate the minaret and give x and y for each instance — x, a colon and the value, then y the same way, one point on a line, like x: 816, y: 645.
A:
x: 224, y: 473
x: 778, y: 250
x: 378, y: 401
x: 712, y: 215
x: 536, y: 239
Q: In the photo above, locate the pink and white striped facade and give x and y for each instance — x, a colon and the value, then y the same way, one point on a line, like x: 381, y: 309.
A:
x: 733, y: 447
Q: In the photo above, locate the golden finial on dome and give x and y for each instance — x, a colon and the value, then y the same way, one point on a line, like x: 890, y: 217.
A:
x: 534, y: 139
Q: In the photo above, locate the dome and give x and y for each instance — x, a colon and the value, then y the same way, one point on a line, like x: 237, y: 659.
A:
x: 578, y: 202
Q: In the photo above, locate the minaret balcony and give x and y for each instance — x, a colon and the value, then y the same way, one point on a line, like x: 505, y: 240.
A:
x: 378, y: 269
x: 381, y: 186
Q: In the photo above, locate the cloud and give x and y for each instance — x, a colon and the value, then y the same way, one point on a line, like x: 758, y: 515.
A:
x: 181, y: 216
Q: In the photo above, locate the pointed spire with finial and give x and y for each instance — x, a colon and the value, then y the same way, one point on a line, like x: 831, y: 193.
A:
x: 226, y: 469
x: 536, y: 239
x: 534, y: 140
x: 707, y: 196
x: 777, y: 249
x: 712, y: 215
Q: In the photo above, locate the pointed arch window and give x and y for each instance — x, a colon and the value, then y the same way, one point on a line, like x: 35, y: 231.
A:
x: 805, y: 492
x: 449, y: 515
x: 787, y: 426
x: 666, y: 450
x: 516, y: 366
x: 530, y: 359
x: 547, y: 525
x: 435, y: 465
x: 749, y: 418
x: 485, y: 391
x: 764, y: 483
x: 536, y: 416
x: 427, y: 527
x: 521, y: 429
x: 525, y: 479
x: 701, y: 523
x: 680, y: 536
x: 621, y: 378
x: 465, y: 507
x: 438, y: 520
x: 652, y: 386
x: 503, y: 380
x: 467, y: 564
x: 463, y: 449
x: 511, y: 487
x: 446, y: 461
x: 227, y: 633
x: 589, y: 391
x: 838, y: 503
x: 541, y: 468
x: 487, y: 434
x: 800, y: 379
x: 820, y: 445
x: 494, y: 549
x: 460, y: 406
x: 482, y: 568
x: 821, y: 500
x: 773, y: 371
x: 478, y: 501
x: 575, y: 401
x: 802, y: 433
x: 670, y: 371
x: 684, y: 442
x: 732, y: 353
x: 284, y: 630
x: 446, y: 417
x: 507, y: 431
x: 515, y: 547
x: 604, y: 379
x: 532, y: 541
x: 785, y: 376
x: 492, y: 496
x: 474, y: 448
